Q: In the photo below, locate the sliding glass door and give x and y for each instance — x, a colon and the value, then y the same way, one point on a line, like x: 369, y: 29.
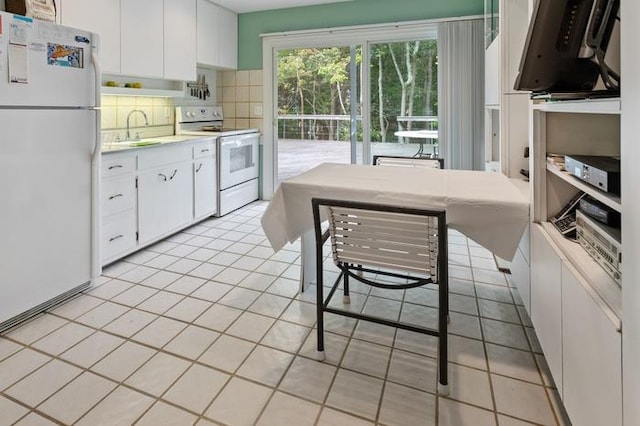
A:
x: 345, y: 95
x: 404, y: 98
x: 318, y: 108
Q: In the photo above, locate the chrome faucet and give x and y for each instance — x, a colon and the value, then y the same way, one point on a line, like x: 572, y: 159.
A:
x: 146, y: 121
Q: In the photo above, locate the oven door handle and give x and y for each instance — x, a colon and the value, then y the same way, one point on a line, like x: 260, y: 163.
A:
x: 243, y: 139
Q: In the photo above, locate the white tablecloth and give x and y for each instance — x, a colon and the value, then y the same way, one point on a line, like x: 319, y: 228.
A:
x: 485, y: 206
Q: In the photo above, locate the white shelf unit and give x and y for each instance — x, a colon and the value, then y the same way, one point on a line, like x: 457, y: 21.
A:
x: 607, y: 198
x: 574, y: 302
x: 587, y: 127
x: 506, y: 110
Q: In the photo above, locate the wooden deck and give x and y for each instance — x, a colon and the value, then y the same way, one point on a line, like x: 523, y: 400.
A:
x: 297, y: 156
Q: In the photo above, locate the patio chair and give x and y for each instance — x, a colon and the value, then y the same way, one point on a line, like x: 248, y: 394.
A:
x: 389, y: 160
x: 406, y: 246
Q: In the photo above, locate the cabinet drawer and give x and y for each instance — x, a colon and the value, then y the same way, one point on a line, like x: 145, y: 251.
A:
x: 118, y: 195
x: 204, y: 149
x: 160, y: 156
x: 118, y: 235
x: 115, y: 165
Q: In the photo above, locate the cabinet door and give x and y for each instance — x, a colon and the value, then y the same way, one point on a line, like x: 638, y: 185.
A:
x: 546, y: 296
x: 165, y: 200
x: 227, y: 39
x: 492, y: 73
x: 204, y: 180
x: 592, y: 352
x: 520, y: 276
x: 180, y: 196
x: 153, y: 197
x: 101, y: 17
x: 180, y: 39
x: 207, y: 33
x: 142, y: 37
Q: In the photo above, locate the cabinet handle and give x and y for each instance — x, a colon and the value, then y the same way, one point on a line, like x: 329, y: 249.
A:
x: 115, y: 196
x: 204, y: 150
x: 164, y: 177
x: 115, y: 166
x: 199, y: 167
x: 116, y: 237
x: 175, y: 172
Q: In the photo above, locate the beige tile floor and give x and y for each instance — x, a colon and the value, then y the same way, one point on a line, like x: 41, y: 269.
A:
x: 207, y: 327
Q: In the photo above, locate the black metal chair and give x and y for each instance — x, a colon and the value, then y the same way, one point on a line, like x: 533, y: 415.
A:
x: 388, y: 241
x: 392, y: 160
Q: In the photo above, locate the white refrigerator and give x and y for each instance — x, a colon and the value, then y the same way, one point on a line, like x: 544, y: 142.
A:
x: 49, y: 162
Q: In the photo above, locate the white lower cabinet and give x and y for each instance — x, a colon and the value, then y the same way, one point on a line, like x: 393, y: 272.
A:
x: 117, y: 205
x: 592, y: 357
x: 151, y: 193
x: 520, y: 277
x: 546, y: 299
x: 118, y: 235
x: 164, y: 200
x: 579, y: 335
x: 521, y: 270
x: 204, y: 187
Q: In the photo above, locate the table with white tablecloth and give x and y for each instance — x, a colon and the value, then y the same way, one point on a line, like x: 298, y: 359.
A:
x: 485, y: 206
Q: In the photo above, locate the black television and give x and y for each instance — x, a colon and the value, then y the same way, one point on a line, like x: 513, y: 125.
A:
x: 554, y: 60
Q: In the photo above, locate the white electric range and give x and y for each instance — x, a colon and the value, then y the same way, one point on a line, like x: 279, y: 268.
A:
x: 236, y: 153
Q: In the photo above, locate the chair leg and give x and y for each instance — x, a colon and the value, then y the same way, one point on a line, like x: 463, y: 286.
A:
x: 320, y: 355
x: 443, y: 320
x: 346, y: 299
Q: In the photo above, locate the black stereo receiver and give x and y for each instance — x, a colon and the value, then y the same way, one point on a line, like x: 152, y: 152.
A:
x: 600, y: 171
x: 600, y: 212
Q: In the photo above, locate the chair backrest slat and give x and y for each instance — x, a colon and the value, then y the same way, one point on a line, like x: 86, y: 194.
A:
x: 377, y: 238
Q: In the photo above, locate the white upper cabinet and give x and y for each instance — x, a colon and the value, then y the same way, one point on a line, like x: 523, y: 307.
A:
x: 227, y: 39
x: 217, y: 40
x: 207, y: 39
x: 142, y: 38
x: 180, y: 39
x: 508, y: 110
x: 101, y: 17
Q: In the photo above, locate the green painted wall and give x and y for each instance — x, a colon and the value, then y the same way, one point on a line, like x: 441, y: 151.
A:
x: 356, y: 12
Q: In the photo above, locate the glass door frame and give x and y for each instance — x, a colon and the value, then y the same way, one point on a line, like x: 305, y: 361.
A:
x: 362, y: 36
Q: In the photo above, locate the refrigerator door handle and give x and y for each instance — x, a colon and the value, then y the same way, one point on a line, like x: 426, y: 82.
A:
x: 96, y: 265
x: 96, y: 68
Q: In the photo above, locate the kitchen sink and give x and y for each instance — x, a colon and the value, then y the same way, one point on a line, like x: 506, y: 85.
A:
x: 144, y: 143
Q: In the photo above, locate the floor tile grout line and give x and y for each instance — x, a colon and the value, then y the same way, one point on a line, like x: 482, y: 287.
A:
x: 484, y: 349
x: 32, y: 410
x: 222, y: 332
x: 351, y: 337
x: 118, y: 383
x: 193, y: 323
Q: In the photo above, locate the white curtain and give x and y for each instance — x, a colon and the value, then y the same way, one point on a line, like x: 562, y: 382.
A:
x: 461, y: 94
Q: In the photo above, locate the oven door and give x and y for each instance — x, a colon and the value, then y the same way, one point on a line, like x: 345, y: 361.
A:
x: 238, y: 159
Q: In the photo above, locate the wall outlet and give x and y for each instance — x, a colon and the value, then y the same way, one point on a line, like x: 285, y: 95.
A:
x: 167, y: 112
x: 257, y: 111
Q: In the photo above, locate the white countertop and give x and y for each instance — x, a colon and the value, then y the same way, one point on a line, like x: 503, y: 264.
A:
x: 108, y: 148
